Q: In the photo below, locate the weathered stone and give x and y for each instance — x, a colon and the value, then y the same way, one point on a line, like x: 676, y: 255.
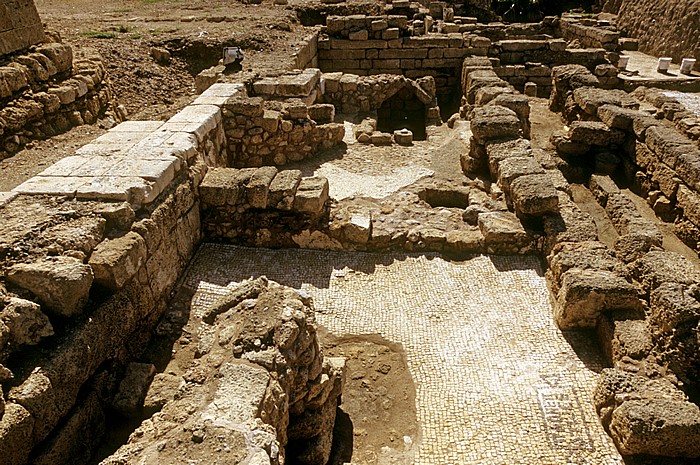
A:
x: 582, y: 255
x: 503, y: 233
x: 494, y: 122
x: 499, y: 150
x: 16, y: 432
x: 657, y: 427
x: 220, y: 187
x: 514, y: 167
x: 257, y: 189
x: 673, y: 305
x: 61, y: 283
x: 622, y: 337
x: 595, y: 133
x: 534, y: 195
x: 25, y: 322
x: 311, y: 195
x: 37, y: 395
x: 133, y: 388
x: 282, y: 189
x: 585, y: 294
x: 602, y: 187
x: 115, y: 261
x: 659, y: 266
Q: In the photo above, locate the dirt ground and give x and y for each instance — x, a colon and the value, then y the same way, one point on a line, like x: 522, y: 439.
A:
x: 124, y: 31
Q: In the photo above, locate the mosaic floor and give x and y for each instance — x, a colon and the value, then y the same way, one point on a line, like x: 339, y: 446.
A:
x: 496, y: 381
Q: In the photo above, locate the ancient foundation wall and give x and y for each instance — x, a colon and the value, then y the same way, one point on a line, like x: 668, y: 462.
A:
x: 609, y: 134
x: 48, y: 90
x: 132, y: 224
x: 589, y: 33
x: 20, y: 25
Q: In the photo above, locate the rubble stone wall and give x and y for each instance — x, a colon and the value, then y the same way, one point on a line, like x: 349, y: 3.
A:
x: 20, y: 25
x: 258, y: 135
x: 48, y: 90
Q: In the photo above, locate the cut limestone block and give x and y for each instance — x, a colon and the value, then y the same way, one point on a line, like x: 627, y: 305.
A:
x: 499, y: 150
x: 534, y: 195
x: 282, y: 189
x: 504, y: 233
x: 257, y: 189
x: 659, y: 266
x: 585, y: 294
x: 514, y: 167
x: 657, y: 427
x: 311, y: 195
x: 61, y: 283
x: 595, y: 133
x: 115, y: 261
x: 494, y: 122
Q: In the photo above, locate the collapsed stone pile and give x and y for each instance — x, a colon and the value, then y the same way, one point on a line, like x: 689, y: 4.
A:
x: 259, y: 384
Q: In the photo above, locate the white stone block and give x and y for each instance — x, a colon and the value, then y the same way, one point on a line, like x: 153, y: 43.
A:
x: 50, y: 185
x: 137, y: 126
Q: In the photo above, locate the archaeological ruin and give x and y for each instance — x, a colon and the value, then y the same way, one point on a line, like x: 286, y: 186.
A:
x: 429, y: 232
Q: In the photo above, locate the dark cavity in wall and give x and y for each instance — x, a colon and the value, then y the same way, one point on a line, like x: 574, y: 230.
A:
x: 402, y: 111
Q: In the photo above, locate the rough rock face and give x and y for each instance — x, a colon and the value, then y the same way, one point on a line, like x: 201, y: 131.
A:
x: 663, y: 27
x: 259, y: 382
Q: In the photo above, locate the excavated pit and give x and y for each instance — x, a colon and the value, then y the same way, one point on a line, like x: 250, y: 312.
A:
x: 242, y: 345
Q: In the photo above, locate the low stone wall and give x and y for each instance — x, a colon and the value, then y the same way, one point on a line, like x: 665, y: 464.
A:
x: 588, y: 32
x: 262, y: 207
x: 306, y: 55
x: 47, y: 91
x: 259, y: 133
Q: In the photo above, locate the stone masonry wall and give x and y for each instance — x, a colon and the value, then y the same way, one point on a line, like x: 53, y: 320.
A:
x: 646, y: 303
x: 262, y: 207
x: 48, y: 90
x: 20, y: 25
x: 92, y: 244
x: 260, y: 133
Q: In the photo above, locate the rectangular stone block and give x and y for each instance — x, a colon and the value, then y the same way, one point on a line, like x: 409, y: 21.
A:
x: 311, y: 195
x: 689, y: 201
x: 257, y: 188
x: 585, y: 294
x: 403, y: 53
x: 115, y: 261
x: 534, y: 195
x: 282, y: 189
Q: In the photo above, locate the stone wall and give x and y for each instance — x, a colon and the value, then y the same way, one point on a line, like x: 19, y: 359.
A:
x: 588, y: 32
x: 365, y: 45
x: 262, y: 207
x: 48, y: 90
x: 640, y: 289
x: 259, y: 133
x: 93, y: 243
x: 664, y: 27
x: 20, y: 25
